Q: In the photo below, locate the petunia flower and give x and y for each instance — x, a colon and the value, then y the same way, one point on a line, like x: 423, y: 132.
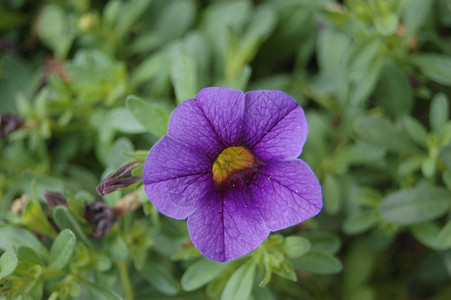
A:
x: 229, y: 164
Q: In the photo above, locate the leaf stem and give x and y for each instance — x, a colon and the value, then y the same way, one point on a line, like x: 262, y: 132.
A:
x: 125, y: 279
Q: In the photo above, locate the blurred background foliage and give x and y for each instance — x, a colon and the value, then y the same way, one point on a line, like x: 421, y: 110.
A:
x: 86, y: 86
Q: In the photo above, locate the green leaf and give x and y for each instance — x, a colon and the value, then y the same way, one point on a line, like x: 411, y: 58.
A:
x: 415, y: 14
x: 129, y: 14
x: 435, y: 66
x: 380, y: 131
x: 332, y: 195
x: 386, y: 24
x: 35, y: 218
x: 445, y: 155
x: 359, y: 222
x: 174, y: 20
x: 160, y: 278
x: 438, y: 113
x: 28, y: 255
x: 8, y: 263
x: 332, y: 45
x: 152, y: 116
x: 295, y: 246
x: 415, y: 130
x: 183, y: 73
x: 239, y: 286
x: 100, y: 292
x: 415, y: 205
x: 326, y: 242
x: 444, y: 237
x: 122, y: 119
x: 427, y: 233
x: 394, y: 91
x: 13, y: 237
x: 64, y: 219
x: 62, y: 249
x: 318, y: 262
x: 201, y: 273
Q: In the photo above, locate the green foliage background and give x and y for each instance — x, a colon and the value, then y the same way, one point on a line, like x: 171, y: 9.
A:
x: 96, y: 81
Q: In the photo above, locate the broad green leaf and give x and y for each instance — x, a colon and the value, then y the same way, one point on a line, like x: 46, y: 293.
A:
x: 427, y: 233
x: 153, y: 67
x: 13, y: 237
x: 239, y: 286
x: 321, y: 241
x: 64, y: 219
x: 386, y: 24
x: 8, y: 263
x: 444, y: 237
x: 62, y: 249
x: 130, y: 12
x: 295, y: 246
x: 415, y: 130
x: 152, y: 116
x: 445, y: 155
x: 201, y: 273
x: 394, y: 91
x: 122, y: 119
x: 318, y: 262
x: 175, y: 19
x: 359, y: 222
x: 436, y: 66
x: 28, y: 255
x: 100, y: 292
x: 160, y: 278
x: 332, y: 195
x: 438, y: 113
x: 332, y: 45
x: 380, y: 131
x: 415, y: 14
x: 183, y: 73
x: 415, y: 205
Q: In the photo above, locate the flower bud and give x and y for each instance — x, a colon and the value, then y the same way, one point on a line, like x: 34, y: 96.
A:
x: 119, y: 179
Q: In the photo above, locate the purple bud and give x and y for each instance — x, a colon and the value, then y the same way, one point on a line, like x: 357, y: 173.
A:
x: 119, y: 179
x: 9, y: 123
x: 54, y: 199
x: 100, y: 216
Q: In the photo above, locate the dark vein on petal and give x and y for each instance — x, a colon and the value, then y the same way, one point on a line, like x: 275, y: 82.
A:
x: 211, y: 125
x: 272, y: 127
x: 176, y: 177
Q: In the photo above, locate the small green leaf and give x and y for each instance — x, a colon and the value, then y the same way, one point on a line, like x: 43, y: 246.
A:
x: 438, y: 113
x: 318, y: 262
x: 13, y: 237
x: 240, y: 283
x: 386, y: 24
x: 427, y: 233
x: 435, y: 66
x: 445, y: 155
x: 444, y: 237
x: 28, y: 255
x: 332, y: 195
x: 295, y: 246
x: 62, y: 249
x: 415, y: 130
x: 160, y: 278
x: 201, y: 273
x: 183, y: 73
x: 359, y: 222
x: 415, y: 205
x: 326, y: 242
x: 152, y: 116
x: 35, y: 218
x: 101, y: 292
x: 381, y: 132
x: 64, y: 219
x: 122, y: 119
x: 8, y: 263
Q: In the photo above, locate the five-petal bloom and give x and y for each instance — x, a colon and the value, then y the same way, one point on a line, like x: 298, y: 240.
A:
x: 228, y: 164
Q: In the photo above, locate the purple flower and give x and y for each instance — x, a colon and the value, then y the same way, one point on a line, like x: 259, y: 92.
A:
x: 228, y: 164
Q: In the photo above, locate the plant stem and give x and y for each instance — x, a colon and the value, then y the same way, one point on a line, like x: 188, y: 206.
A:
x: 125, y: 279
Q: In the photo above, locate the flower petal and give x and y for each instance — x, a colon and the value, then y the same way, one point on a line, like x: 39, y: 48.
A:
x: 189, y: 124
x: 227, y: 226
x: 224, y: 108
x: 176, y: 177
x: 275, y: 125
x: 288, y: 193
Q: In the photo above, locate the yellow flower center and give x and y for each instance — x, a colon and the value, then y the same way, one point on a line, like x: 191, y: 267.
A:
x: 231, y: 161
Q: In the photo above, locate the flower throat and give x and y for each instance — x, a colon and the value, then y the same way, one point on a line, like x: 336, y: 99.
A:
x: 232, y: 161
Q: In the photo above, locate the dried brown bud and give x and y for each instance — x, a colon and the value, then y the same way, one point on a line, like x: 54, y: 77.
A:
x: 18, y: 205
x: 119, y: 179
x: 100, y: 216
x: 54, y: 198
x: 9, y: 123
